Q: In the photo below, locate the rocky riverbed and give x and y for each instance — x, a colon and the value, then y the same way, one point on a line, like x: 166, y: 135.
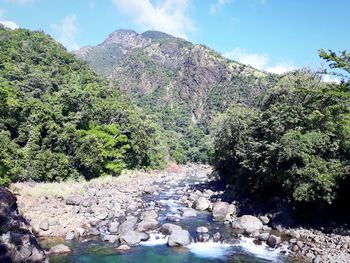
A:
x: 177, y: 207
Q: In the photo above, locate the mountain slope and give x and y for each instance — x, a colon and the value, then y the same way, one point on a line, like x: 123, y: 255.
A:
x: 184, y: 84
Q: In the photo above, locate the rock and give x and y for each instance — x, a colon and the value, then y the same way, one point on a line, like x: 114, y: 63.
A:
x: 150, y: 214
x: 222, y: 211
x: 123, y: 247
x: 113, y: 227
x: 294, y: 234
x: 168, y: 228
x: 264, y: 219
x: 128, y: 224
x: 294, y: 248
x: 179, y: 238
x: 88, y: 202
x: 74, y: 200
x: 133, y: 237
x: 263, y: 236
x: 247, y: 223
x: 44, y: 225
x: 94, y: 232
x: 217, y: 237
x: 147, y: 224
x: 203, y: 238
x: 101, y: 213
x: 70, y: 235
x: 172, y: 218
x: 201, y: 204
x: 17, y: 242
x: 202, y: 229
x: 59, y: 249
x: 111, y: 238
x: 317, y: 259
x: 273, y: 241
x: 189, y: 212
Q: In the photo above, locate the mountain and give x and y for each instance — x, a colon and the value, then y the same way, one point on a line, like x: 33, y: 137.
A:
x: 184, y: 84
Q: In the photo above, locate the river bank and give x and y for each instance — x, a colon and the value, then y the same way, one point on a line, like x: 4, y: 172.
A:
x: 140, y: 207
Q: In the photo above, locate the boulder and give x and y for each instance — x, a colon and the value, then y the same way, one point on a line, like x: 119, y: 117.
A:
x: 74, y: 200
x: 147, y: 224
x: 128, y: 224
x: 202, y: 229
x: 123, y: 247
x: 44, y: 225
x: 101, y: 213
x: 247, y: 223
x: 189, y: 212
x: 168, y: 228
x: 217, y: 237
x: 203, y: 238
x: 273, y: 241
x: 201, y: 204
x: 132, y: 237
x: 222, y: 211
x: 110, y: 238
x: 263, y: 236
x: 59, y: 249
x: 264, y: 219
x: 149, y: 214
x: 113, y: 227
x: 179, y: 238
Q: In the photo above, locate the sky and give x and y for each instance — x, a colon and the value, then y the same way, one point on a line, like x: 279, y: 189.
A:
x: 271, y: 35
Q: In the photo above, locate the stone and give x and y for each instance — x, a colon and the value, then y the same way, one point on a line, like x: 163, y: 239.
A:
x: 189, y: 212
x: 264, y: 219
x: 101, y: 213
x: 70, y: 235
x: 294, y: 234
x: 132, y: 237
x: 147, y: 224
x: 202, y: 229
x: 263, y: 236
x: 74, y: 200
x: 149, y: 214
x: 111, y: 238
x: 94, y: 232
x: 217, y: 237
x: 60, y: 249
x: 201, y: 204
x: 128, y: 224
x: 179, y: 238
x: 222, y: 211
x: 113, y: 227
x: 44, y: 225
x: 168, y: 228
x: 273, y: 241
x: 123, y: 247
x: 294, y: 248
x: 203, y: 238
x: 247, y: 223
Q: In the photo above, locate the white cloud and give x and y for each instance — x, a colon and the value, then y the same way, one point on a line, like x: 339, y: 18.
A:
x: 280, y: 68
x: 215, y: 7
x: 9, y: 24
x: 330, y: 79
x: 67, y: 30
x: 258, y: 61
x: 169, y: 16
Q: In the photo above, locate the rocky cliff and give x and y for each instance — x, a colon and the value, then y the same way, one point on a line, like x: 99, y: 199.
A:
x: 17, y: 242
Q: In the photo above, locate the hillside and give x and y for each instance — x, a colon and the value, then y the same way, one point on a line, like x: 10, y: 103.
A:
x: 59, y: 119
x: 185, y: 85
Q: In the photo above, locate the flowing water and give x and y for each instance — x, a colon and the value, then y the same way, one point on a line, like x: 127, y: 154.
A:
x: 155, y: 250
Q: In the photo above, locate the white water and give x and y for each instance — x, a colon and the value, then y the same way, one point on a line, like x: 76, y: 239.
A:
x: 155, y: 239
x: 209, y: 249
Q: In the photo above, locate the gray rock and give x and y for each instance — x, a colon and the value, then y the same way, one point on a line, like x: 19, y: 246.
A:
x: 168, y: 228
x: 44, y: 225
x: 147, y: 224
x: 189, y: 212
x: 222, y: 211
x: 74, y: 200
x: 133, y: 237
x: 94, y: 232
x: 123, y: 247
x: 113, y: 227
x: 201, y: 204
x: 273, y: 241
x: 264, y: 219
x: 59, y: 249
x: 294, y: 234
x: 263, y: 236
x: 128, y: 224
x: 203, y: 238
x: 101, y: 213
x: 179, y: 238
x: 202, y: 229
x: 149, y: 214
x: 247, y: 223
x: 70, y: 235
x: 111, y: 238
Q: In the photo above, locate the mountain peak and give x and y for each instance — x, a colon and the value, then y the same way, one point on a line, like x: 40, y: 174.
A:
x: 156, y: 35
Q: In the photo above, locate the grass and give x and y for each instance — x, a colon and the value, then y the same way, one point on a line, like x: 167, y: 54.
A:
x: 69, y: 187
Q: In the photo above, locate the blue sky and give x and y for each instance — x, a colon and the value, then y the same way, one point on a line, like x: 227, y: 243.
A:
x: 274, y: 35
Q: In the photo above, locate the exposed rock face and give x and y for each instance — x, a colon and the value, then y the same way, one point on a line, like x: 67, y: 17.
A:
x: 179, y: 238
x: 17, y: 242
x: 247, y: 223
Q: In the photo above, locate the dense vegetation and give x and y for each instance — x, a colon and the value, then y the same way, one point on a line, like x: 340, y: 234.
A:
x: 295, y: 143
x: 58, y: 119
